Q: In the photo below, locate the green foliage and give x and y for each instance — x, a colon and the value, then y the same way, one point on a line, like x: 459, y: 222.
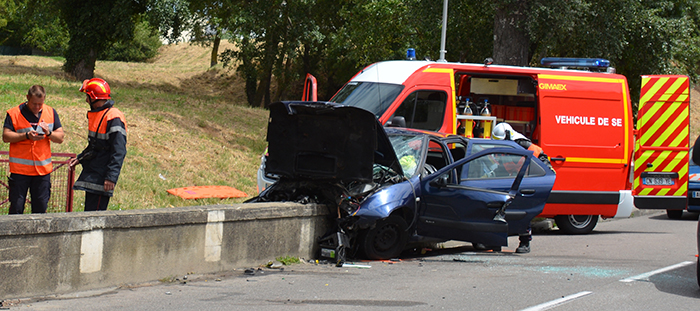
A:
x: 94, y: 26
x: 647, y: 37
x: 278, y: 42
x: 7, y: 8
x: 34, y: 24
x: 288, y: 260
x: 170, y: 17
x: 143, y: 46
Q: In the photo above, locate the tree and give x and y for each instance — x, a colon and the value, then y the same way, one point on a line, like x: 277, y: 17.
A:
x: 143, y: 46
x: 638, y: 37
x: 93, y: 26
x: 33, y: 24
x: 267, y: 38
x: 201, y: 21
x: 511, y: 41
x: 208, y: 26
x: 7, y: 8
x: 172, y: 18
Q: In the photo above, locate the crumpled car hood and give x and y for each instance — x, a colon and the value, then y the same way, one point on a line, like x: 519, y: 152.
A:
x: 326, y: 141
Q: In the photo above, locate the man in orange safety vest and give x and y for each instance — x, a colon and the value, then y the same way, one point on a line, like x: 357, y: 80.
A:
x: 30, y: 128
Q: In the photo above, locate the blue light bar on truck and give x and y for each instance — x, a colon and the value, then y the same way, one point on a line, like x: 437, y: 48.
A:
x: 411, y: 54
x: 575, y: 62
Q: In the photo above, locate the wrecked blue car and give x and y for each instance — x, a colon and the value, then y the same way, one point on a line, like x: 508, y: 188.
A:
x: 389, y: 188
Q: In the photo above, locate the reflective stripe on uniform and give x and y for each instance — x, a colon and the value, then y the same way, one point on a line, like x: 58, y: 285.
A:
x: 30, y: 162
x: 91, y: 186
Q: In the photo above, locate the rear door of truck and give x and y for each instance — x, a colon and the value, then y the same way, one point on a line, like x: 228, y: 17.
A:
x: 661, y: 155
x: 586, y: 130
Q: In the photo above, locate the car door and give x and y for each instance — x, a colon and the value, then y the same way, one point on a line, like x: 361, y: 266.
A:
x: 532, y: 195
x: 451, y: 210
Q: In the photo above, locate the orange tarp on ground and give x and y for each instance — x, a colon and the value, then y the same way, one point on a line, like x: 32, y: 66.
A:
x: 201, y: 192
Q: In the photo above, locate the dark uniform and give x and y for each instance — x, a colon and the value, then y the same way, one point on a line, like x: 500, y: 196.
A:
x: 103, y: 158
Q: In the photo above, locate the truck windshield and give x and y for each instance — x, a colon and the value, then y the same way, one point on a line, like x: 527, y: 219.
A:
x: 375, y: 97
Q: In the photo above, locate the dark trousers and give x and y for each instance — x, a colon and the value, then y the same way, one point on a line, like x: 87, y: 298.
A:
x: 96, y: 202
x: 38, y: 186
x: 526, y: 237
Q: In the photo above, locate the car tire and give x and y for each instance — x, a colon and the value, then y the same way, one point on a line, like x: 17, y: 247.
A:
x: 387, y: 239
x: 576, y: 224
x: 674, y: 213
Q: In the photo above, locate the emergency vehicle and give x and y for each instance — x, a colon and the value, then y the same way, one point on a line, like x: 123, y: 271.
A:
x: 582, y: 118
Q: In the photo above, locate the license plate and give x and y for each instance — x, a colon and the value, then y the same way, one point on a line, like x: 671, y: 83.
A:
x: 658, y: 181
x: 696, y: 194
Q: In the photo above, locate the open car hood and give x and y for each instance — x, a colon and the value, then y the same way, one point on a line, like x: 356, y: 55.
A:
x: 326, y: 141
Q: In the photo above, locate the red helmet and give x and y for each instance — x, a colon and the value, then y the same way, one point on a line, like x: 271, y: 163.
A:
x: 96, y: 88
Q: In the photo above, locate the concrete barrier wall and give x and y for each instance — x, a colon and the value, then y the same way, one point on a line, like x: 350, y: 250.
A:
x: 46, y: 254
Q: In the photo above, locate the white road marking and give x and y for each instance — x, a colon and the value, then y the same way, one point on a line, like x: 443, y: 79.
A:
x: 557, y: 302
x: 644, y: 276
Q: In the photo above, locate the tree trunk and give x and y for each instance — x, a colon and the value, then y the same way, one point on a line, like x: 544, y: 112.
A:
x: 511, y: 42
x: 215, y: 50
x: 267, y: 64
x: 85, y: 68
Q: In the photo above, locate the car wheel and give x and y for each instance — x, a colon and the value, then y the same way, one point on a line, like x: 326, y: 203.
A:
x: 674, y: 213
x: 576, y: 224
x: 387, y: 239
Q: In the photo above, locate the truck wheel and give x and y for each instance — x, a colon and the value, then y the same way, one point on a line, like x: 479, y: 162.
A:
x: 387, y: 239
x: 674, y: 213
x: 576, y: 224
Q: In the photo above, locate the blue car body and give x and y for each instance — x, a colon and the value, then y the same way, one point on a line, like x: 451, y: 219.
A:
x: 405, y: 185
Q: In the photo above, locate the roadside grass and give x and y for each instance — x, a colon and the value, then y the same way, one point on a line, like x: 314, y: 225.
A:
x: 186, y: 122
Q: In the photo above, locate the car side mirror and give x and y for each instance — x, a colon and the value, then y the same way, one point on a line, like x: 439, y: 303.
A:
x: 397, y: 121
x: 440, y: 182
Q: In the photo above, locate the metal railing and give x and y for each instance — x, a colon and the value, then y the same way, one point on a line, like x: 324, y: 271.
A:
x: 62, y: 179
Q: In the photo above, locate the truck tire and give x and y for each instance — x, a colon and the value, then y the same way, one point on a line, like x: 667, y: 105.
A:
x: 674, y: 213
x: 387, y: 239
x: 576, y: 224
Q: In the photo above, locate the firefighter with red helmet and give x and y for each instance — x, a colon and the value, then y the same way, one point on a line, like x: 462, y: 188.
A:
x: 504, y: 131
x: 102, y: 159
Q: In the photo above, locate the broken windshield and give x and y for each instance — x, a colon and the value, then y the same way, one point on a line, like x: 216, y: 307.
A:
x: 409, y: 151
x: 374, y: 97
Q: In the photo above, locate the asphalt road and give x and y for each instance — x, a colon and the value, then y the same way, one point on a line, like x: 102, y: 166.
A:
x: 642, y: 263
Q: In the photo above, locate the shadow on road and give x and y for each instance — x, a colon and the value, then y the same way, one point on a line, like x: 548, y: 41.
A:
x: 688, y: 216
x: 680, y: 282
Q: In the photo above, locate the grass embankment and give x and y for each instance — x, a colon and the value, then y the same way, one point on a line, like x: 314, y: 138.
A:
x: 186, y: 122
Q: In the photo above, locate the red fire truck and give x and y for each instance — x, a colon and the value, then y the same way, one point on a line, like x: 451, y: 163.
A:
x: 583, y: 119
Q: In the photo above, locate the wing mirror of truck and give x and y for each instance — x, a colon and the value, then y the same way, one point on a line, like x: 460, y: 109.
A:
x: 397, y: 121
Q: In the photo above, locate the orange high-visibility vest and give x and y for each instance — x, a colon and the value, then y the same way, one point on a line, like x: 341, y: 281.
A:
x: 27, y: 157
x: 535, y: 149
x: 99, y: 118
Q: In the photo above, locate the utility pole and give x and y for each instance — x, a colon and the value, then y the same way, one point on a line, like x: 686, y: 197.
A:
x: 444, y: 33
